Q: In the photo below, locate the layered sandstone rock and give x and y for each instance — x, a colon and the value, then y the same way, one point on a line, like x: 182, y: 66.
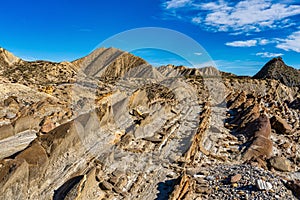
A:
x: 110, y: 126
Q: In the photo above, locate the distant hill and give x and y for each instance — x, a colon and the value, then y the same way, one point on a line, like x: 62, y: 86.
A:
x: 176, y: 71
x: 277, y: 69
x: 108, y: 62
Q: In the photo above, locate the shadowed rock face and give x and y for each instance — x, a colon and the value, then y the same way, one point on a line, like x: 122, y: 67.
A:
x: 110, y: 126
x: 295, y: 187
x: 280, y: 125
x: 277, y: 69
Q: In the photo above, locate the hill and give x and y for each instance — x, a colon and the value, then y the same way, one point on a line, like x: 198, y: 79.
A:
x: 277, y: 69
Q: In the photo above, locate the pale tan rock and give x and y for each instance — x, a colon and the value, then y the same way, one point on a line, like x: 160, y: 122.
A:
x: 6, y: 131
x: 126, y: 130
x: 280, y: 163
x: 47, y: 125
x: 26, y: 123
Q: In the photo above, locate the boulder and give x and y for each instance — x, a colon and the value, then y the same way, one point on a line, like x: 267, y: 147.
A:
x: 280, y: 164
x: 263, y: 127
x: 262, y: 145
x: 280, y: 125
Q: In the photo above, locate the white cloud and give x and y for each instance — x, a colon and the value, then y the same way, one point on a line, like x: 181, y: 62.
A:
x: 264, y: 41
x: 212, y: 6
x: 197, y: 20
x: 268, y: 54
x: 198, y: 53
x: 238, y: 16
x: 246, y: 43
x: 251, y: 43
x: 291, y: 43
x: 172, y: 4
x: 252, y: 15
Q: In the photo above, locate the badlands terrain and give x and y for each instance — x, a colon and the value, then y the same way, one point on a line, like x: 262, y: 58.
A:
x: 111, y: 126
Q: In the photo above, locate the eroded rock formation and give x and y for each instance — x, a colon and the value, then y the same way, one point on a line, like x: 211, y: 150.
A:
x: 110, y: 126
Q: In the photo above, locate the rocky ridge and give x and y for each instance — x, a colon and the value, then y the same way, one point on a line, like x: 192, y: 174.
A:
x: 110, y: 126
x: 277, y: 69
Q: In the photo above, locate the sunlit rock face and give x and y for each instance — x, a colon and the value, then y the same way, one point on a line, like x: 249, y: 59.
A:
x: 111, y: 126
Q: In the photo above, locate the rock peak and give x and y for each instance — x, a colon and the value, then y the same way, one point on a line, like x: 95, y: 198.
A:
x: 8, y: 57
x: 278, y: 70
x: 109, y: 62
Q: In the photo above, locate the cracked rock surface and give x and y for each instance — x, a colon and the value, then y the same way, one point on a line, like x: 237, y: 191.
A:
x: 111, y: 126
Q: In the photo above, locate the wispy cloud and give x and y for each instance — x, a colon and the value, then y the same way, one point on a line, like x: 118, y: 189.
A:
x: 237, y: 16
x: 197, y: 20
x: 198, y: 53
x: 268, y: 54
x: 176, y: 3
x: 264, y: 41
x: 251, y: 43
x: 251, y: 15
x: 291, y: 43
x: 246, y: 43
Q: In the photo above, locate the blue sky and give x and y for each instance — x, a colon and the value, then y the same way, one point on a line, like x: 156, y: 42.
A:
x: 239, y: 36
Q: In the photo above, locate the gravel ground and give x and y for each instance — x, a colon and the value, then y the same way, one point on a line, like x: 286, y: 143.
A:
x: 245, y: 188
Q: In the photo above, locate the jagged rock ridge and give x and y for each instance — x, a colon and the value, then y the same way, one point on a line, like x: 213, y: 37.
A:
x: 110, y: 126
x: 277, y: 69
